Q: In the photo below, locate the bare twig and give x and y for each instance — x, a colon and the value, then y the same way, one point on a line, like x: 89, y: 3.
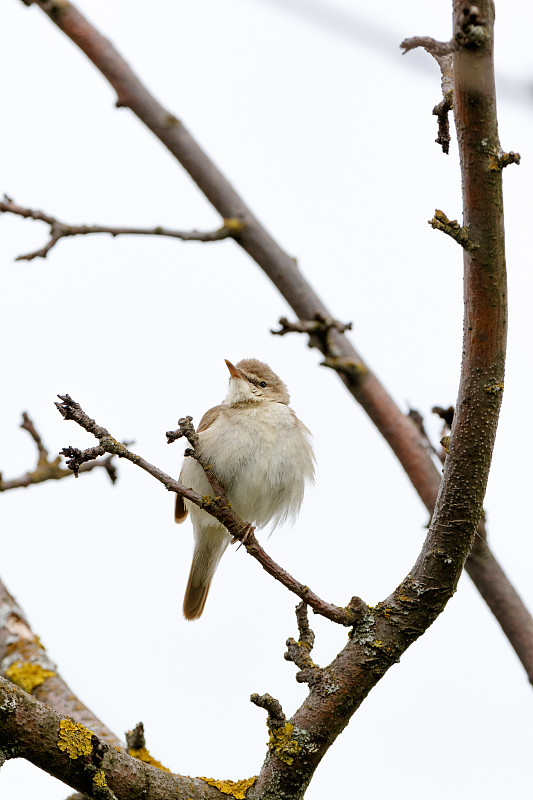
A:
x: 446, y: 414
x: 218, y: 506
x: 50, y: 469
x: 319, y: 326
x: 431, y: 46
x: 442, y: 52
x: 62, y: 230
x: 320, y: 332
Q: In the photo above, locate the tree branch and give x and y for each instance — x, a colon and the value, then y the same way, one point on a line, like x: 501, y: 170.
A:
x: 218, y: 506
x: 398, y: 430
x: 25, y: 662
x: 62, y: 230
x: 48, y: 469
x: 72, y: 753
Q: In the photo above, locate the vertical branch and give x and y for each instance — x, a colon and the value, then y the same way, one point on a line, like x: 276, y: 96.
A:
x: 387, y: 631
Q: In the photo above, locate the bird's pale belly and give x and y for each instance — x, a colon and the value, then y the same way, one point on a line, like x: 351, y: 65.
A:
x: 263, y: 466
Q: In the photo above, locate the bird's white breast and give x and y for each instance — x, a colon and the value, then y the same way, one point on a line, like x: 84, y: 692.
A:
x: 262, y: 454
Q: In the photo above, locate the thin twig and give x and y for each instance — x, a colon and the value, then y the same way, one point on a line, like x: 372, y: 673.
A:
x: 50, y: 469
x: 62, y: 230
x: 431, y: 46
x: 218, y: 506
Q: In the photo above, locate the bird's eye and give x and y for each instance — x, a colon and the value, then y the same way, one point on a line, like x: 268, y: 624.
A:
x: 262, y: 384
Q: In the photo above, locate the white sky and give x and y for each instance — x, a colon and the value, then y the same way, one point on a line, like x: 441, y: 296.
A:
x: 330, y: 138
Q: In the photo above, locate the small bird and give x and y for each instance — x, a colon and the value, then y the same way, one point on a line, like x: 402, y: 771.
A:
x: 260, y: 452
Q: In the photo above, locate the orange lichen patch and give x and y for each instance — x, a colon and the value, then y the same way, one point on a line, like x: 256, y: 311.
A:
x: 142, y: 754
x: 282, y: 742
x: 236, y: 789
x: 27, y: 675
x: 74, y: 739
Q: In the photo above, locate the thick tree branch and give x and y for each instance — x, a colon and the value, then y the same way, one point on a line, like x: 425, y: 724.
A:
x: 25, y: 662
x: 384, y: 633
x: 48, y: 469
x: 218, y: 506
x: 398, y: 430
x: 72, y: 753
x: 62, y: 230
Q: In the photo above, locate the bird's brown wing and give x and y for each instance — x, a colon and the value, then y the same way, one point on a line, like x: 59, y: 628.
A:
x: 180, y: 512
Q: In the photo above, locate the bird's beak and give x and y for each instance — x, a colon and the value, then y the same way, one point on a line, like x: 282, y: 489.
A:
x: 234, y: 371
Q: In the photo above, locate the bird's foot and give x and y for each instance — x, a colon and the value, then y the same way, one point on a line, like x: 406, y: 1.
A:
x: 248, y: 531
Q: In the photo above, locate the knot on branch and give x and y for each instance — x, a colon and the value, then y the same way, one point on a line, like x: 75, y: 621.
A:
x: 472, y: 31
x: 276, y: 718
x: 75, y: 457
x: 452, y: 228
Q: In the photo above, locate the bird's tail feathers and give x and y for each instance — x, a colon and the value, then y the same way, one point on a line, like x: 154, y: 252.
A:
x: 208, y: 550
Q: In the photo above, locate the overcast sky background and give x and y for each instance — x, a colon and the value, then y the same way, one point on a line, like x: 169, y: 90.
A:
x: 327, y: 132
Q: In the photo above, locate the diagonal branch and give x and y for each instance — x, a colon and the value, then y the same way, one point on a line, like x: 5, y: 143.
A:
x: 397, y: 429
x: 385, y: 632
x: 24, y: 660
x: 218, y: 506
x: 62, y: 230
x: 72, y: 753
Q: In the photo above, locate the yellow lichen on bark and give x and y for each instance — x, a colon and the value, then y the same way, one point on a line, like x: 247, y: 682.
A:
x: 236, y: 789
x: 28, y: 675
x: 142, y: 754
x: 99, y: 779
x: 282, y: 742
x: 74, y: 739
